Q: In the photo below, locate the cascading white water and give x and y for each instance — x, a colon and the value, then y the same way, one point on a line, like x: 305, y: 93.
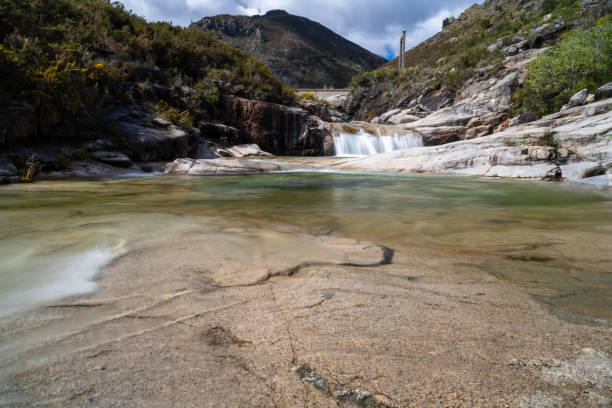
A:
x: 363, y: 144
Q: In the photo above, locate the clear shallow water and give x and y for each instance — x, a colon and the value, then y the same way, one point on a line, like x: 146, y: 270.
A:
x: 554, y: 242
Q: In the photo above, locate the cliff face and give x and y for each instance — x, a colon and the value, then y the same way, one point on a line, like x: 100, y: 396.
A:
x: 301, y: 52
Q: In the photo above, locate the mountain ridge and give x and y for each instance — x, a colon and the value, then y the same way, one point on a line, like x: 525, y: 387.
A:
x: 302, y: 52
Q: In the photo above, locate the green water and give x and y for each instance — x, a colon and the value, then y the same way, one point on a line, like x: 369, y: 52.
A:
x: 553, y: 241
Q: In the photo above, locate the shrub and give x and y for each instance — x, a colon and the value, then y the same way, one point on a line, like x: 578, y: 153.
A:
x: 178, y: 117
x: 67, y: 56
x: 472, y: 57
x: 582, y: 60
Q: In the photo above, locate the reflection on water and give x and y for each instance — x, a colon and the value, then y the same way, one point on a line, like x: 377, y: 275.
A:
x: 550, y: 240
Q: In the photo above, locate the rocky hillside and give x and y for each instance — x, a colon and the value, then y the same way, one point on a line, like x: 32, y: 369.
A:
x: 87, y: 82
x: 301, y: 52
x: 485, y: 45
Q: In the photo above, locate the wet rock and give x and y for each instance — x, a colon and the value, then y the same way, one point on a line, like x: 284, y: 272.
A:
x: 116, y: 159
x: 604, y: 91
x: 219, y: 166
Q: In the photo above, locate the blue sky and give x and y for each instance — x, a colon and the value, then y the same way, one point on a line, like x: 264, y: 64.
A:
x: 375, y: 25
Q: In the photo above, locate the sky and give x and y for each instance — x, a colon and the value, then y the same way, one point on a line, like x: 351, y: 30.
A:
x: 375, y: 25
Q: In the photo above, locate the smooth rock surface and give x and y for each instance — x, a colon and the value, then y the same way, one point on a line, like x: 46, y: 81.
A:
x: 577, y: 139
x: 604, y: 91
x: 116, y: 159
x: 219, y: 166
x: 247, y: 150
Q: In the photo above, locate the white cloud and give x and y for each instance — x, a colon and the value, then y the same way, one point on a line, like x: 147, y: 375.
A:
x: 375, y: 25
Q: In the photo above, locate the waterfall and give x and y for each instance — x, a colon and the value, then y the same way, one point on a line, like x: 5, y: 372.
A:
x: 363, y: 144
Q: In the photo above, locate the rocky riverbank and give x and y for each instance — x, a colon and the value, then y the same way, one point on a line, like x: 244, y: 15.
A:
x: 210, y: 317
x: 571, y: 145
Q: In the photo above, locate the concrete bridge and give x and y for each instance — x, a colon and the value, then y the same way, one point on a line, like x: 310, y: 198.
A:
x: 324, y: 93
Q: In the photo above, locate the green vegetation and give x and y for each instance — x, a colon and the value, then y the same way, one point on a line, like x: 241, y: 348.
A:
x: 582, y: 60
x: 27, y: 168
x: 64, y: 57
x: 174, y: 115
x: 463, y: 51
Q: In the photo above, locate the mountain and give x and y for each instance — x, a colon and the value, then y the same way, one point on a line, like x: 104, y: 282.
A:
x: 484, y: 45
x: 301, y: 52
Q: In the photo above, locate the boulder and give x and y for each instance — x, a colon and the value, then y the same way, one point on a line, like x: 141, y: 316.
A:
x: 154, y: 144
x: 546, y: 32
x: 219, y: 166
x: 206, y: 151
x: 577, y: 171
x: 144, y: 142
x: 523, y: 118
x: 317, y: 138
x: 578, y: 99
x: 316, y: 109
x: 388, y: 114
x: 116, y: 159
x: 402, y: 117
x: 604, y: 91
x: 247, y: 150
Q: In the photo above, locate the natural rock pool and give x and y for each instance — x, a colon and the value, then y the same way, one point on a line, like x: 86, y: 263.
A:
x: 548, y: 238
x: 468, y: 254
